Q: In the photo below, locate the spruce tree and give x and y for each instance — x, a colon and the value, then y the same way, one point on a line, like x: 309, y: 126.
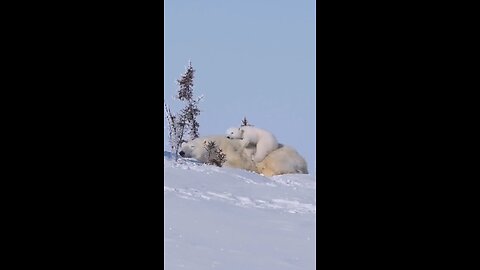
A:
x: 185, y: 120
x: 185, y: 93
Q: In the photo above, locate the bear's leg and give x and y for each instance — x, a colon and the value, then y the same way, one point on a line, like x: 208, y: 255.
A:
x: 250, y: 152
x: 267, y: 172
x: 261, y: 153
x: 248, y: 148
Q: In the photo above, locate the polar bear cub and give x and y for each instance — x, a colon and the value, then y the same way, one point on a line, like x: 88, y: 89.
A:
x: 264, y: 141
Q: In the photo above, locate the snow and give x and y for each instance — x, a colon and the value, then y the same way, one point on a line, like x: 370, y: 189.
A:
x: 226, y: 218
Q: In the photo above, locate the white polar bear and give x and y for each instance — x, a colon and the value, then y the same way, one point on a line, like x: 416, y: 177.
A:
x: 284, y: 160
x: 264, y: 141
x: 235, y: 154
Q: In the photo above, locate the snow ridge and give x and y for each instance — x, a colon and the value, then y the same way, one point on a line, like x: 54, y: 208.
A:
x: 226, y: 218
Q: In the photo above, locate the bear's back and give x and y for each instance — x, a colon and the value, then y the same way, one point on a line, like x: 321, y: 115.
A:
x: 224, y: 143
x: 236, y: 157
x: 284, y: 160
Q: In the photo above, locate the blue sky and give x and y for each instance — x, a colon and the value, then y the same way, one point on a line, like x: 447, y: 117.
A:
x: 253, y: 59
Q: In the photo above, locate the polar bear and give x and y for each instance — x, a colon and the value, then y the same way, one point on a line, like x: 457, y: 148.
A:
x: 264, y: 141
x: 284, y: 160
x: 236, y: 155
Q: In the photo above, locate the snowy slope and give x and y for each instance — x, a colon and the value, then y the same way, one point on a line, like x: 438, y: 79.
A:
x: 224, y: 218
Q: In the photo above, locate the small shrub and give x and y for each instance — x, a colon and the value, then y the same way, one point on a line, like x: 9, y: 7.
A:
x: 214, y: 154
x: 245, y: 122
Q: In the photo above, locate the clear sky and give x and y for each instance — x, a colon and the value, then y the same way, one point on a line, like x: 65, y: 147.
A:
x: 253, y: 58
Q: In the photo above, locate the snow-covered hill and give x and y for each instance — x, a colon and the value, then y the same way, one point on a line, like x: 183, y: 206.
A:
x: 225, y: 218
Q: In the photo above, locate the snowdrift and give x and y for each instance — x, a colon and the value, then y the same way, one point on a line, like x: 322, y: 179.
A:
x: 225, y: 218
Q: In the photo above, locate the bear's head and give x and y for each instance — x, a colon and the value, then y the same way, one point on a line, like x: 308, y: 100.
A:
x: 194, y: 149
x: 234, y: 133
